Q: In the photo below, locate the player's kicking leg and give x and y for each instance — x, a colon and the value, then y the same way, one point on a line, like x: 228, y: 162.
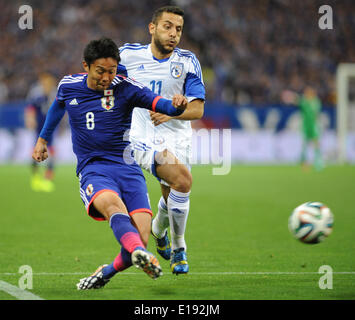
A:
x: 110, y: 207
x: 140, y: 258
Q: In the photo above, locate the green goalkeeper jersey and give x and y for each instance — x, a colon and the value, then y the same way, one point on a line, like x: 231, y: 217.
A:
x: 310, y: 109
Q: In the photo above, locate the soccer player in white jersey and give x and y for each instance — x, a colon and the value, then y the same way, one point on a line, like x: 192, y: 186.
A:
x: 162, y: 144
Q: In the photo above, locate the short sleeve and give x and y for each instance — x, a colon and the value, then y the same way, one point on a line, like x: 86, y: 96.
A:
x: 194, y: 87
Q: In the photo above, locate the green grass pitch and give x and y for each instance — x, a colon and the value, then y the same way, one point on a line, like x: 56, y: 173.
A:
x: 239, y: 246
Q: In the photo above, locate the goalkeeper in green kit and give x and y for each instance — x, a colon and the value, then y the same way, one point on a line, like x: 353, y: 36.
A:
x: 310, y: 106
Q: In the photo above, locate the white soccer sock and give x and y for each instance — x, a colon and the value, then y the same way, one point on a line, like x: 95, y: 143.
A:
x: 178, y: 209
x: 161, y: 221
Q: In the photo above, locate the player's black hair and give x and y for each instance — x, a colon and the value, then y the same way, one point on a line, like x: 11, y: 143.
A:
x: 171, y: 9
x: 101, y: 48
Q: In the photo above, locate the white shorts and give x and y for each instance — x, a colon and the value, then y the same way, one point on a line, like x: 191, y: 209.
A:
x: 144, y: 155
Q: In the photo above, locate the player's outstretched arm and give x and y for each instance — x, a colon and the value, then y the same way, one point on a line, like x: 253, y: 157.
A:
x: 54, y: 115
x: 142, y: 97
x: 193, y: 111
x: 173, y: 107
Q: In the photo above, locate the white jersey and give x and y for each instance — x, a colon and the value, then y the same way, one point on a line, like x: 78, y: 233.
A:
x: 178, y: 74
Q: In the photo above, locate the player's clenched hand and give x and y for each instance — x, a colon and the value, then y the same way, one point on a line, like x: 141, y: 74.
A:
x: 179, y: 101
x: 40, y: 151
x: 158, y: 118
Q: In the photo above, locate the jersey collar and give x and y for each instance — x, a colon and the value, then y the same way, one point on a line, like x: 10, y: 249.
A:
x: 156, y: 59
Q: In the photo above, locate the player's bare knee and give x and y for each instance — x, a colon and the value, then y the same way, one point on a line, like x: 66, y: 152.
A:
x: 108, y: 203
x: 110, y: 210
x: 183, y: 182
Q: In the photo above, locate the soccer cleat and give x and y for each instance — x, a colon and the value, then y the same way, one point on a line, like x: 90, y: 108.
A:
x: 147, y: 262
x: 178, y: 262
x: 163, y: 245
x: 95, y: 281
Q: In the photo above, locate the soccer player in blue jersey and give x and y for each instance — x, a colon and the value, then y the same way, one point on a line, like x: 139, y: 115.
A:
x: 162, y: 144
x: 112, y: 186
x: 39, y: 99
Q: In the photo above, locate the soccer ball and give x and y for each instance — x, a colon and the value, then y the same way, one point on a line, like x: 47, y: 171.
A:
x: 311, y: 222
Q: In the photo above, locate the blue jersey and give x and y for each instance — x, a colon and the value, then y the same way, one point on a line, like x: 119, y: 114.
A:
x: 39, y: 102
x: 99, y: 120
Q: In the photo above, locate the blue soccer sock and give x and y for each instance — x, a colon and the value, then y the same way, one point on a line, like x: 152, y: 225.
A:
x: 125, y: 233
x: 121, y: 262
x: 129, y: 238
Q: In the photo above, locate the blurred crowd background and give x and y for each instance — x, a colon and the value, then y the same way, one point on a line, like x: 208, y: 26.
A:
x: 249, y: 50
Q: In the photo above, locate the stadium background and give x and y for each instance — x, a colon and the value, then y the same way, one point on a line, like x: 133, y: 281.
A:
x: 249, y: 51
x: 239, y: 246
